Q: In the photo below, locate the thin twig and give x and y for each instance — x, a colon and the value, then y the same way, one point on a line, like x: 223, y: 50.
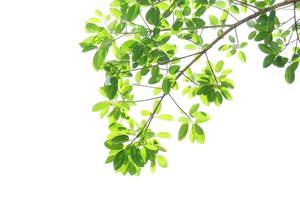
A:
x: 180, y: 108
x: 211, y: 68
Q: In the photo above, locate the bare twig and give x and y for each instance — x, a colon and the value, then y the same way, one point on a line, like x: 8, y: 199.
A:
x: 180, y: 108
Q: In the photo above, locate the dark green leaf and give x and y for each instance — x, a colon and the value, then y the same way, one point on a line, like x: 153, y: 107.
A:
x: 174, y: 69
x: 132, y: 12
x: 113, y: 146
x: 268, y: 60
x: 153, y: 16
x: 166, y: 85
x: 280, y: 61
x: 119, y: 159
x: 200, y: 11
x: 111, y: 87
x: 265, y: 48
x: 290, y: 72
x: 120, y: 139
x: 99, y: 58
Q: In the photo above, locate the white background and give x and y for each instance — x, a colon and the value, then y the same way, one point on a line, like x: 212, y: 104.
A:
x: 51, y: 144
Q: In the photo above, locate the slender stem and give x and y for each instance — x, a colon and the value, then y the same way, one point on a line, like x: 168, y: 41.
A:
x: 296, y: 26
x: 226, y: 12
x: 135, y: 101
x: 147, y: 86
x: 237, y: 38
x: 180, y: 108
x: 245, y: 4
x: 211, y: 69
x: 190, y: 79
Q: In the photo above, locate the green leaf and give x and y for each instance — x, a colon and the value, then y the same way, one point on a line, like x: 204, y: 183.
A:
x: 183, y: 131
x: 153, y: 16
x: 219, y: 66
x: 144, y: 2
x: 224, y: 47
x: 243, y: 44
x: 199, y: 23
x: 226, y: 94
x: 177, y: 25
x: 290, y: 72
x: 269, y: 59
x: 231, y: 39
x: 132, y: 12
x: 194, y: 108
x: 98, y: 13
x: 174, y: 69
x: 220, y: 4
x: 213, y: 20
x: 164, y: 135
x: 111, y: 87
x: 261, y: 36
x: 120, y: 139
x: 151, y: 147
x: 100, y: 106
x: 190, y: 47
x: 200, y: 11
x: 242, y: 56
x: 108, y: 144
x: 142, y: 30
x: 92, y: 28
x: 162, y: 161
x: 166, y: 85
x: 231, y: 53
x: 145, y: 112
x: 136, y: 156
x: 166, y: 117
x: 115, y: 12
x: 198, y: 133
x: 183, y: 120
x: 186, y: 11
x: 99, y: 58
x: 219, y: 98
x: 265, y: 48
x: 280, y: 61
x: 252, y: 35
x: 201, y: 117
x: 234, y: 9
x: 119, y: 159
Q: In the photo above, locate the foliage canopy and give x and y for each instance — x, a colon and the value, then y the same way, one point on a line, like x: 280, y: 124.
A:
x: 138, y: 45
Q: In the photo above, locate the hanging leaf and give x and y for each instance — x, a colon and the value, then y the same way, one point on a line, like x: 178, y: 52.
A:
x: 183, y: 131
x: 290, y: 72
